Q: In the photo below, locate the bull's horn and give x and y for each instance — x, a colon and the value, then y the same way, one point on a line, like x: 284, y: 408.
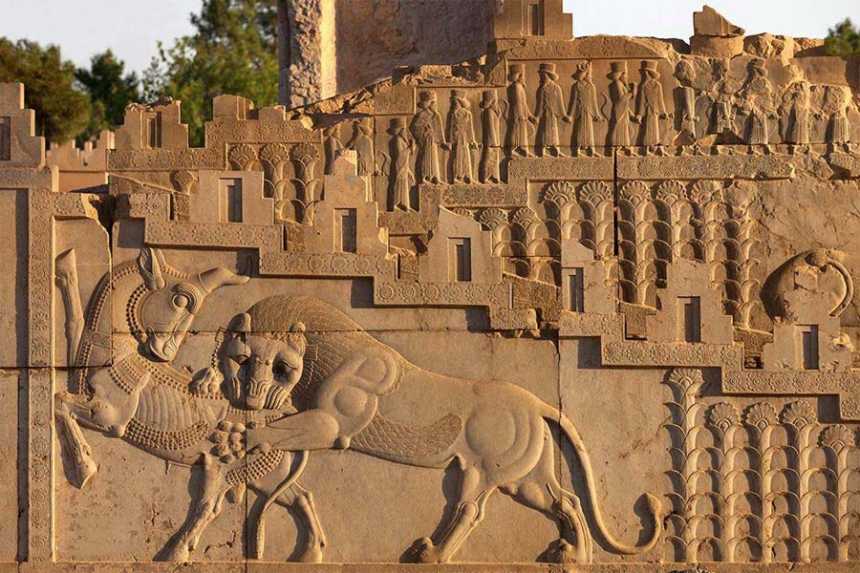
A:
x: 240, y: 323
x: 218, y: 277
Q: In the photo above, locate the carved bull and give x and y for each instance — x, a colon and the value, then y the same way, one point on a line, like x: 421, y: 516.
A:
x: 142, y: 399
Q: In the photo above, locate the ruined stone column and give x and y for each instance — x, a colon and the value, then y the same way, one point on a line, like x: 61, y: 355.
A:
x: 330, y: 47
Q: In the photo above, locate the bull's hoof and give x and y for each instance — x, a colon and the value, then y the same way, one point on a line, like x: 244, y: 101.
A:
x: 85, y: 469
x: 177, y: 553
x: 427, y: 552
x: 312, y: 555
x: 568, y: 553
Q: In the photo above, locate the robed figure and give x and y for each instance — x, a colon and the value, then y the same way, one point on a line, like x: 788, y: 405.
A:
x: 621, y: 99
x: 402, y: 177
x: 651, y: 107
x: 549, y: 110
x: 461, y: 137
x: 796, y: 109
x: 582, y: 110
x: 519, y: 114
x: 427, y: 132
x: 757, y: 102
x: 491, y: 115
x: 362, y: 143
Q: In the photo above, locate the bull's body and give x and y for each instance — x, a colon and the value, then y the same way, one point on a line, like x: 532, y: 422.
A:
x: 142, y: 399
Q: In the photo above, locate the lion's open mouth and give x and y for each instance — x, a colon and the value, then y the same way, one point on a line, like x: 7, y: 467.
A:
x: 265, y: 394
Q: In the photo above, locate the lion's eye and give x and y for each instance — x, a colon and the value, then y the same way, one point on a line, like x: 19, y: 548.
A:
x: 181, y: 301
x: 239, y: 358
x: 281, y: 369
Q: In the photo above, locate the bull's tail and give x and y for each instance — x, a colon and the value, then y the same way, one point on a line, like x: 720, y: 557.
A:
x: 654, y: 505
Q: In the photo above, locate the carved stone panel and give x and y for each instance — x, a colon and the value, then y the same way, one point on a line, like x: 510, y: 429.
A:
x: 581, y: 304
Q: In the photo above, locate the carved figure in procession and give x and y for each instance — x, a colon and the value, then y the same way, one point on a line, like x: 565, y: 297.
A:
x: 331, y: 146
x: 621, y: 94
x: 582, y: 110
x: 686, y: 106
x: 360, y: 394
x: 362, y: 143
x: 428, y: 135
x: 520, y: 118
x: 402, y: 176
x: 723, y: 96
x: 796, y: 110
x: 492, y: 111
x: 837, y: 104
x: 461, y: 137
x: 651, y: 108
x: 549, y: 110
x: 757, y: 103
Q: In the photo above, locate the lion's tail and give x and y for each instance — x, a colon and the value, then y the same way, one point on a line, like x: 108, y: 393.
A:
x: 654, y: 506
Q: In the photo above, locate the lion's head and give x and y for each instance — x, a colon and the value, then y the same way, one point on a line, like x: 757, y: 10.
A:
x: 278, y: 352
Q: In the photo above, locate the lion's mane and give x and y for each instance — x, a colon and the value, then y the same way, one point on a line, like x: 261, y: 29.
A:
x: 330, y: 337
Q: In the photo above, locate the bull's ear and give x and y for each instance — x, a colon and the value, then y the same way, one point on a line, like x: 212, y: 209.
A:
x: 150, y: 268
x: 241, y: 323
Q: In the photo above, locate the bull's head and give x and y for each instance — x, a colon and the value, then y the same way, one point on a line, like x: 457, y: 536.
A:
x: 169, y: 301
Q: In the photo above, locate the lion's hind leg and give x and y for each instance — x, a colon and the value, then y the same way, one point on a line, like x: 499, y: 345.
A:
x: 541, y: 490
x: 474, y: 493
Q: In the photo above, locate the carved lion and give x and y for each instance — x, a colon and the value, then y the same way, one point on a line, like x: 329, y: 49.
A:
x: 355, y: 392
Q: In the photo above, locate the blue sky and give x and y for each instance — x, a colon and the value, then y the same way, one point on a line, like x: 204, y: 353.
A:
x: 133, y: 27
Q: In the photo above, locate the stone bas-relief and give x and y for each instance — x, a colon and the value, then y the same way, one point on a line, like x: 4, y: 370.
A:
x: 609, y: 280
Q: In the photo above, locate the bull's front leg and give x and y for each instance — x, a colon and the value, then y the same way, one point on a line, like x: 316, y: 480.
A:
x: 109, y: 411
x: 73, y: 443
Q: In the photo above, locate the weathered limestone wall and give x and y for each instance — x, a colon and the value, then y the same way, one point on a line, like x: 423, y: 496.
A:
x: 584, y: 301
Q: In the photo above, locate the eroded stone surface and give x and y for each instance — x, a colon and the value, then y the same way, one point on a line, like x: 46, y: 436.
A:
x: 607, y: 279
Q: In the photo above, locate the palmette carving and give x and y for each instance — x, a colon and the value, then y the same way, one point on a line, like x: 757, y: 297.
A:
x: 773, y: 507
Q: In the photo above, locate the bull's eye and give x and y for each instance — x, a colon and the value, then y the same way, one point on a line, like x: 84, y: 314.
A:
x: 239, y: 358
x: 281, y: 369
x: 181, y: 300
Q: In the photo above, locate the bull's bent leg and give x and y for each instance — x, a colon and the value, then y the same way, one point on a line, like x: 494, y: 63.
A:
x: 303, y: 500
x: 281, y: 487
x: 203, y: 511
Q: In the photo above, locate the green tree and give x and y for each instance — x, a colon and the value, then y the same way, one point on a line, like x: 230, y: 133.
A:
x: 233, y: 50
x: 843, y: 40
x: 110, y: 90
x: 62, y: 110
